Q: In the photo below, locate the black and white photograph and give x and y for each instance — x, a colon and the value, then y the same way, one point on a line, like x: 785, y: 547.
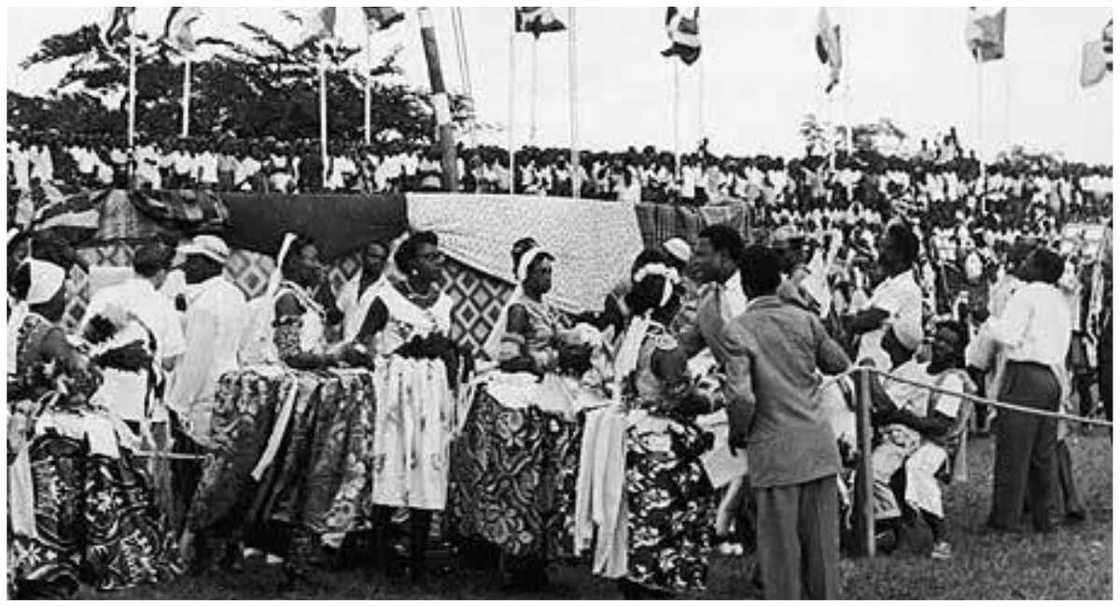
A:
x: 583, y: 303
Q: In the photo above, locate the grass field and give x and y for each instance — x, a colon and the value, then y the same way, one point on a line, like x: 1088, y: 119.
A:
x: 1074, y: 562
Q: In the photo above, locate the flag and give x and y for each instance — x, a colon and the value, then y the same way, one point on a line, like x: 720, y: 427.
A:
x: 536, y: 20
x: 318, y: 24
x: 984, y: 35
x: 118, y: 27
x: 684, y: 35
x: 828, y: 48
x: 381, y: 17
x: 1094, y: 65
x: 177, y: 29
x: 1106, y: 38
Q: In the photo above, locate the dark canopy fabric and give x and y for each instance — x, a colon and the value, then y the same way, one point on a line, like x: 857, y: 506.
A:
x: 338, y: 223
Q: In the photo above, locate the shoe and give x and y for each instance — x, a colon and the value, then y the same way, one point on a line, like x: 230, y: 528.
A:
x: 942, y: 551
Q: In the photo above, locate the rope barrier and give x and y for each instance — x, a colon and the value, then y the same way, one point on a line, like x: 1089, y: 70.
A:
x: 972, y: 397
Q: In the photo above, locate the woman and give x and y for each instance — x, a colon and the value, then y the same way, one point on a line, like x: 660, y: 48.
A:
x: 407, y: 330
x: 79, y: 509
x: 670, y: 500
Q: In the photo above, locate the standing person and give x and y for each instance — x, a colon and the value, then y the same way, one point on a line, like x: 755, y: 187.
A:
x: 896, y: 301
x: 721, y: 296
x: 774, y: 351
x: 1035, y: 331
x: 356, y: 296
x: 407, y: 328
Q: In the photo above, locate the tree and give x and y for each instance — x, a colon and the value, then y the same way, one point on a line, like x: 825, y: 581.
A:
x: 264, y: 88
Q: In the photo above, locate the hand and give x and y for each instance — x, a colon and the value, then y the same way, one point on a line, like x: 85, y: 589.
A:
x: 736, y: 440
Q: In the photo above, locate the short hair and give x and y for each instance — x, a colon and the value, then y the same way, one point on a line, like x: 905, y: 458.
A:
x: 1048, y: 265
x: 959, y: 330
x: 406, y: 253
x: 760, y: 270
x: 151, y: 258
x: 906, y: 241
x: 725, y: 239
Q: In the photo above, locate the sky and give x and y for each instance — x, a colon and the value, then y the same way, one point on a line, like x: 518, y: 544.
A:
x: 758, y: 73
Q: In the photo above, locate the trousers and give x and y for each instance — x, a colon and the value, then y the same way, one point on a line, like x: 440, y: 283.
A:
x: 1026, y: 447
x: 799, y: 540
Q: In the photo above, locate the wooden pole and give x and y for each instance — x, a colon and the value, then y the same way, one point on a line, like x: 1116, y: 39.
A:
x: 533, y: 84
x: 864, y: 503
x: 323, y: 110
x: 186, y: 98
x: 131, y: 96
x: 980, y: 129
x: 440, y: 102
x: 368, y: 84
x: 512, y: 102
x: 573, y: 100
x: 677, y: 113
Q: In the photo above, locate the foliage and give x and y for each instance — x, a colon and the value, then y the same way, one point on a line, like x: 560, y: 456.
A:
x: 260, y: 89
x: 882, y: 136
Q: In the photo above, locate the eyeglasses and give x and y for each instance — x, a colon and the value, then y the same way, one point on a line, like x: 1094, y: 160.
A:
x: 434, y: 257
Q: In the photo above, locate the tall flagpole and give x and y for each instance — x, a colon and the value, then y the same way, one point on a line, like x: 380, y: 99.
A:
x: 980, y: 127
x: 573, y: 100
x: 186, y: 97
x: 512, y: 102
x: 677, y: 113
x: 369, y: 69
x: 323, y: 108
x: 533, y: 93
x: 131, y: 95
x: 700, y: 99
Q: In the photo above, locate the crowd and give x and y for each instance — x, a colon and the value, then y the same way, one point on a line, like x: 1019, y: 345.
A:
x: 916, y: 267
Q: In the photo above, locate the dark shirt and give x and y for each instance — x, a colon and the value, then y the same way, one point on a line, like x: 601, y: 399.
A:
x: 774, y: 350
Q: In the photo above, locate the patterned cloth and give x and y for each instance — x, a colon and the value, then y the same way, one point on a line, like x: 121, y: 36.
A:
x: 478, y: 230
x: 513, y: 477
x: 319, y: 480
x: 660, y: 222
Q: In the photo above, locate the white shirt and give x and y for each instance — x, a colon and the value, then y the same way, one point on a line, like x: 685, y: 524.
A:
x: 42, y: 165
x: 184, y: 163
x: 21, y: 168
x: 123, y: 392
x: 215, y: 320
x: 208, y: 168
x: 1035, y: 326
x: 247, y: 168
x: 901, y: 298
x: 355, y: 306
x: 733, y: 301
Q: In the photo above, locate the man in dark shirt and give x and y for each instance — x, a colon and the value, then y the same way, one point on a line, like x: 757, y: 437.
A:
x: 774, y: 350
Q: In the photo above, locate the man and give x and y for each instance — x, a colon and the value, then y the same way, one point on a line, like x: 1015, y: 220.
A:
x: 773, y: 353
x: 214, y: 321
x: 355, y: 297
x: 721, y: 296
x: 1034, y: 330
x: 139, y: 311
x: 788, y: 243
x: 896, y: 302
x: 915, y: 424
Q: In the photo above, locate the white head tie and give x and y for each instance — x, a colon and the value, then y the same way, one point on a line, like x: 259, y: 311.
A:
x: 526, y: 262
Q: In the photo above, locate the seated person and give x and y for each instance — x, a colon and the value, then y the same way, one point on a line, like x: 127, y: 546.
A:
x: 914, y: 424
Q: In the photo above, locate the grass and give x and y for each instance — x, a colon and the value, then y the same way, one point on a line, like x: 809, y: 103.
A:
x: 1074, y: 562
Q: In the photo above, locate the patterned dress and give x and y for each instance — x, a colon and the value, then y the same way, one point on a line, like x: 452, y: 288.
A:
x: 415, y: 405
x: 671, y: 502
x: 92, y: 518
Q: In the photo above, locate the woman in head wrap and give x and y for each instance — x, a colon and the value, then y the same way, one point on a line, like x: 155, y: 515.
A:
x: 669, y: 498
x: 79, y: 510
x: 407, y: 331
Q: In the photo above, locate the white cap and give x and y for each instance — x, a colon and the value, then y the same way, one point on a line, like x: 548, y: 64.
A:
x: 210, y: 246
x: 679, y: 249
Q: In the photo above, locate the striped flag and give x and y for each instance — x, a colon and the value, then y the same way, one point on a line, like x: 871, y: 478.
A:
x: 318, y: 23
x: 984, y: 35
x: 536, y: 20
x: 1106, y: 38
x: 684, y: 34
x: 117, y: 28
x: 177, y: 28
x: 828, y: 48
x: 61, y: 208
x: 380, y: 18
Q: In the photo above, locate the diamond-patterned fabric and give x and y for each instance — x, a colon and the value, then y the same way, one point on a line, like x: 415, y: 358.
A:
x: 478, y: 297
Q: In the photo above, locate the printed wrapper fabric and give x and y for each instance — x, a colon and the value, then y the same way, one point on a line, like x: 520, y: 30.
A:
x: 671, y: 508
x: 513, y: 479
x: 96, y: 523
x: 319, y: 480
x: 660, y: 222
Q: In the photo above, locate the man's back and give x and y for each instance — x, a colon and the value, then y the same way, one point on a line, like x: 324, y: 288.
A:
x: 775, y: 350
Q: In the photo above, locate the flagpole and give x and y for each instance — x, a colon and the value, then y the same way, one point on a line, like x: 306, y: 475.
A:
x: 573, y: 100
x: 677, y: 113
x: 533, y: 93
x: 131, y: 95
x: 700, y: 98
x: 369, y: 69
x: 323, y: 108
x: 980, y: 126
x: 440, y: 102
x: 512, y: 100
x: 187, y: 97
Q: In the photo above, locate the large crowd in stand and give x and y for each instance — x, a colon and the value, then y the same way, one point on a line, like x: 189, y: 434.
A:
x: 907, y: 262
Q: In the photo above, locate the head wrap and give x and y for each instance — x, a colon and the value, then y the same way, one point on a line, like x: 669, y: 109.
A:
x: 672, y: 278
x: 526, y: 262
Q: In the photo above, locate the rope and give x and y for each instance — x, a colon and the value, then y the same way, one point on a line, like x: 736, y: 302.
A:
x: 168, y: 455
x: 972, y: 397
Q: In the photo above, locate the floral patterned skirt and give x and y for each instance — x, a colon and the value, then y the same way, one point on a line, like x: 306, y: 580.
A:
x: 671, y: 506
x: 96, y: 523
x: 318, y: 484
x: 513, y: 477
